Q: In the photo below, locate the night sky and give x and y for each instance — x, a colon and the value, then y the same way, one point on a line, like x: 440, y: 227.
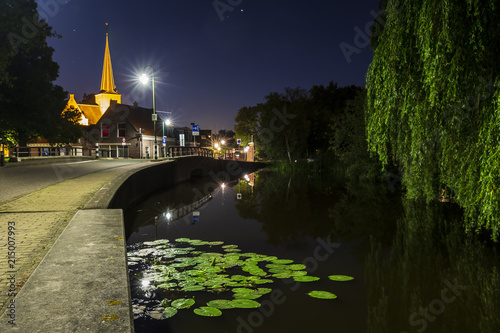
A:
x: 207, y: 69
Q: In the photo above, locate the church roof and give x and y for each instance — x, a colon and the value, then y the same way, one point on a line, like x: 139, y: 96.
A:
x: 91, y: 112
x: 107, y: 81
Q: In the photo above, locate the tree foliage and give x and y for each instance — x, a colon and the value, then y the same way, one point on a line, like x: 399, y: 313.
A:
x: 31, y: 105
x: 433, y: 101
x: 295, y: 124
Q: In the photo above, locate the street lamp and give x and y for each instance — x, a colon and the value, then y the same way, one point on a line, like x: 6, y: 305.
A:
x: 144, y: 79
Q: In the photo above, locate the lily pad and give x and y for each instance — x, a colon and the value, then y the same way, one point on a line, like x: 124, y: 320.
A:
x: 283, y: 261
x: 221, y: 304
x: 182, y: 240
x: 340, y: 278
x: 193, y: 288
x: 183, y: 303
x: 170, y: 312
x: 283, y: 275
x: 245, y: 304
x: 322, y: 294
x: 306, y: 278
x: 167, y: 285
x: 276, y: 266
x: 243, y: 290
x: 207, y: 311
x: 246, y: 296
x: 215, y: 243
x: 296, y: 267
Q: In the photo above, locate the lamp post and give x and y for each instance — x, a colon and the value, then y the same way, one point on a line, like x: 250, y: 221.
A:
x: 144, y: 79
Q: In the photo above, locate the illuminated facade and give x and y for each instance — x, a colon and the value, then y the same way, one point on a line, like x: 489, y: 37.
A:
x: 91, y: 113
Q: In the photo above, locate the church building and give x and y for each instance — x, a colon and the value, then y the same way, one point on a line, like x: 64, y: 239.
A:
x: 91, y: 113
x: 116, y: 129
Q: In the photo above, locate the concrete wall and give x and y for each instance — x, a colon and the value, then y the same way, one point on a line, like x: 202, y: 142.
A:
x: 165, y: 174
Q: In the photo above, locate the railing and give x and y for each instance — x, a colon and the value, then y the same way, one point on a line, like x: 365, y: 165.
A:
x: 177, y: 151
x: 52, y: 151
x: 188, y: 209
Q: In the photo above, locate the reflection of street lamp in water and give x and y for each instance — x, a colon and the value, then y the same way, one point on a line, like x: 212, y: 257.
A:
x: 223, y: 186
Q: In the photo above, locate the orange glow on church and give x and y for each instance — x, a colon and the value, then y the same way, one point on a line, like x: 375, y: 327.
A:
x: 91, y: 113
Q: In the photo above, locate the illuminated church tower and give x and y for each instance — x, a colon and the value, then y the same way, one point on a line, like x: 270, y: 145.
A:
x: 91, y: 113
x: 108, y: 89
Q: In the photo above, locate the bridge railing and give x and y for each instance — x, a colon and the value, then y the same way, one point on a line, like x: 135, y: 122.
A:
x: 188, y: 209
x: 178, y: 151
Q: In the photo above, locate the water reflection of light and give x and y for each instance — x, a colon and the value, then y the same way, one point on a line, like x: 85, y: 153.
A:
x: 223, y: 186
x: 145, y: 283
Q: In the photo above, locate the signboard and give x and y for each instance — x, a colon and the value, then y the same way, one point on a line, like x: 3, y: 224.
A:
x: 154, y: 117
x: 123, y: 142
x: 196, y: 130
x: 234, y: 150
x: 164, y: 141
x: 196, y: 217
x: 238, y: 196
x: 182, y: 141
x: 238, y: 141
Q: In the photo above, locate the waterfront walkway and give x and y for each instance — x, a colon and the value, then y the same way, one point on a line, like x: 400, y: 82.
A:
x: 57, y: 234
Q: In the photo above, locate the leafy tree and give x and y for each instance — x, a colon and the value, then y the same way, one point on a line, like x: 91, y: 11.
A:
x: 88, y: 99
x: 327, y: 104
x: 31, y: 104
x: 295, y: 124
x: 433, y: 101
x: 247, y: 123
x: 283, y: 125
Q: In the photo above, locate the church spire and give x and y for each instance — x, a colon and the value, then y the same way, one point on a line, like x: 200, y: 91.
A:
x: 107, y: 81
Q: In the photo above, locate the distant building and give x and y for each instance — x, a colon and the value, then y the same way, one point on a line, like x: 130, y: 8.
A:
x: 206, y: 139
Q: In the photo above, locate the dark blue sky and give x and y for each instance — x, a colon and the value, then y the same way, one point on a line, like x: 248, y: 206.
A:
x: 207, y: 69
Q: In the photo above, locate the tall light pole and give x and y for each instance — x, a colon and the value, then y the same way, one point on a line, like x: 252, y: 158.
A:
x: 144, y: 79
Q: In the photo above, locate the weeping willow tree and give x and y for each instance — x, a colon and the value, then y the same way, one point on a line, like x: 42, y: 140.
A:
x: 433, y: 105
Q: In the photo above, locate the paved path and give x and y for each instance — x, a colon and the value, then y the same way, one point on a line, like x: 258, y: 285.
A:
x: 18, y: 181
x: 38, y: 219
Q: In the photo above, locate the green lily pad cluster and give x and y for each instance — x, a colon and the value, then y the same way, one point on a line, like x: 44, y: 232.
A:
x: 180, y: 268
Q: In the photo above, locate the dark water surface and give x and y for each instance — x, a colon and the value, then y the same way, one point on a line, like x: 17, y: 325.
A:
x: 413, y: 269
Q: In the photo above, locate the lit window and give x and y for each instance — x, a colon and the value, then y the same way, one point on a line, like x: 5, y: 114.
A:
x: 121, y: 130
x: 105, y: 130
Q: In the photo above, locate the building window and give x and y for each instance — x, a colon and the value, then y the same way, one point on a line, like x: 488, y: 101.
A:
x: 105, y: 130
x: 121, y: 130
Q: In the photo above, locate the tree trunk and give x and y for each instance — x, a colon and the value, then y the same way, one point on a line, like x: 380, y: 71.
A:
x: 288, y: 149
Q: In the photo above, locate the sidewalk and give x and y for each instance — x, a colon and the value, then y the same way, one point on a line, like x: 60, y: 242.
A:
x: 39, y: 218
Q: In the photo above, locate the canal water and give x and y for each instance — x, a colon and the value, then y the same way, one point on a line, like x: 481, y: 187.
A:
x: 382, y: 263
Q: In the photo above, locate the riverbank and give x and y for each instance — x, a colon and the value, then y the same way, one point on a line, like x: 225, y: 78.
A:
x: 51, y: 243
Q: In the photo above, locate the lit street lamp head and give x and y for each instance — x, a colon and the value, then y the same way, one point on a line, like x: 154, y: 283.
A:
x: 168, y: 122
x: 144, y: 79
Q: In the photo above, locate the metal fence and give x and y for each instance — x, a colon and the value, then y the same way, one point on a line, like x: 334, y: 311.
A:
x: 50, y: 151
x: 178, y: 151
